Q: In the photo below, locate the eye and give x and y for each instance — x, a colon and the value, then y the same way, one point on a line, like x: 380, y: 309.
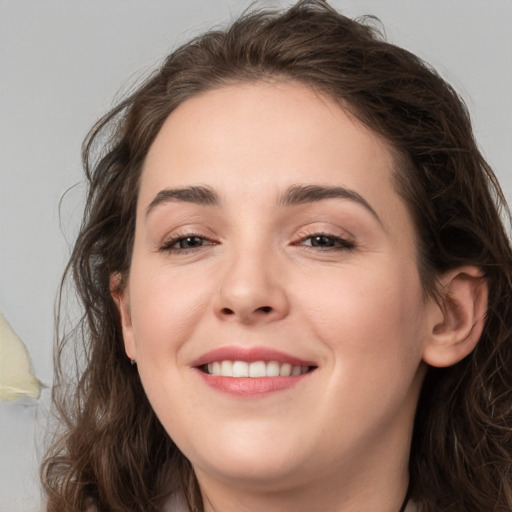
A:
x: 183, y: 244
x: 189, y: 242
x: 326, y: 242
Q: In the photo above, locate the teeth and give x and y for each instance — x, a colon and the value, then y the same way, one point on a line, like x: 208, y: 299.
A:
x: 255, y: 369
x: 273, y: 369
x: 226, y: 368
x: 258, y: 369
x: 285, y: 370
x: 240, y: 369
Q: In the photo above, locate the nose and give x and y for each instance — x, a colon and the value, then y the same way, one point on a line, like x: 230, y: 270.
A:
x: 252, y: 290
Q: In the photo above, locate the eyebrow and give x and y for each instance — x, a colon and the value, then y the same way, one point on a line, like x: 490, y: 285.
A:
x: 303, y: 194
x: 201, y: 195
x: 294, y: 195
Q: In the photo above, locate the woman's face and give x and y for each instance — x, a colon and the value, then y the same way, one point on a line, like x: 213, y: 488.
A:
x: 269, y: 234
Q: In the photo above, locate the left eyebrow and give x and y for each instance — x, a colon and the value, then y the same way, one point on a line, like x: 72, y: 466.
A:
x: 201, y: 195
x: 302, y: 194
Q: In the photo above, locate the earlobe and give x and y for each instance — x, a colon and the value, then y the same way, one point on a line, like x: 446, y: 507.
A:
x: 463, y: 306
x: 120, y: 295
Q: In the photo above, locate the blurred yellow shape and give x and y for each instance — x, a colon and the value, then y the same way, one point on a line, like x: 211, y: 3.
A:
x: 16, y: 379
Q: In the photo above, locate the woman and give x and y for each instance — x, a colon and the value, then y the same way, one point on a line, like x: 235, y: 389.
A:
x: 296, y: 286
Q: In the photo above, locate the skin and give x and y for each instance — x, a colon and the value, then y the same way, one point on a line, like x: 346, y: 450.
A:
x: 255, y: 276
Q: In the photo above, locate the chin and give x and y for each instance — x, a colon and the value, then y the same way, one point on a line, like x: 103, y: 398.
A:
x: 258, y: 473
x: 252, y: 457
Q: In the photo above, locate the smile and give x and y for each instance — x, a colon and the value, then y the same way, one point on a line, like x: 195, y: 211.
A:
x: 256, y: 369
x: 253, y: 372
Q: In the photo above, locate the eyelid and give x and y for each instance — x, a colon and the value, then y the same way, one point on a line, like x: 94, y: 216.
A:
x: 168, y: 242
x: 319, y: 230
x: 344, y: 239
x: 340, y: 243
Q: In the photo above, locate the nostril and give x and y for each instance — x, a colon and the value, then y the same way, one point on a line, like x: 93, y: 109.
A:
x: 261, y: 310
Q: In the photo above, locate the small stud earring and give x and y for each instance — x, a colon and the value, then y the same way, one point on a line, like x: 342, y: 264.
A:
x: 133, y: 362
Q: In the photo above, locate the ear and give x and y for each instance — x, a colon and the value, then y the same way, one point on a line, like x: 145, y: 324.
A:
x: 121, y: 296
x: 460, y: 319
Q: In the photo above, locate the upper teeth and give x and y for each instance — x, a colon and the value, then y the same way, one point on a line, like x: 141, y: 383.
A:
x: 255, y: 369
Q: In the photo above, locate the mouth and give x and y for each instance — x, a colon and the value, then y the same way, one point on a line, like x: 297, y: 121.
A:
x: 252, y: 372
x: 255, y: 369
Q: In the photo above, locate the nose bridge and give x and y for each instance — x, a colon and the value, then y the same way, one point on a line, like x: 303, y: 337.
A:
x: 251, y: 289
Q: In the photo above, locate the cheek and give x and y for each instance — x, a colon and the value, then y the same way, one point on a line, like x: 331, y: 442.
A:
x: 369, y: 317
x: 165, y: 308
x: 373, y: 325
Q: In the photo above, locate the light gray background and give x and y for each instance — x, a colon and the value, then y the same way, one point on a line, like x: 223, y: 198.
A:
x: 62, y: 62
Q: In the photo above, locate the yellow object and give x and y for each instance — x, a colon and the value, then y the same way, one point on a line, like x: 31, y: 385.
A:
x: 16, y: 378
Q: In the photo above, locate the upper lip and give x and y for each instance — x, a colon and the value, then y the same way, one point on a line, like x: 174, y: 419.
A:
x: 249, y: 354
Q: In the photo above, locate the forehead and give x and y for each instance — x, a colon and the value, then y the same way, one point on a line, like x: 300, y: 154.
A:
x: 257, y: 139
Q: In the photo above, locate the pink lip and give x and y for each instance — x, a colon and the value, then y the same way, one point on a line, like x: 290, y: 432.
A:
x: 250, y: 355
x: 249, y: 387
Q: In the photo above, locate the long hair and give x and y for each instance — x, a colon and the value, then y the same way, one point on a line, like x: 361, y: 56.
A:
x: 113, y: 453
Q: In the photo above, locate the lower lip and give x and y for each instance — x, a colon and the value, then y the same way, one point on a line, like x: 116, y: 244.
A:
x: 251, y: 386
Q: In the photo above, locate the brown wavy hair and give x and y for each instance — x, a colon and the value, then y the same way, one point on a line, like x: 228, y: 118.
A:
x: 112, y: 453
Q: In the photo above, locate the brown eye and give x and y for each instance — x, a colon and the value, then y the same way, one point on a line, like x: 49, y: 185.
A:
x: 190, y: 242
x: 323, y: 241
x: 184, y: 244
x: 327, y: 242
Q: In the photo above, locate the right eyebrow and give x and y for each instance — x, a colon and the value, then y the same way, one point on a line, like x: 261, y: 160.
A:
x: 303, y: 194
x: 199, y: 194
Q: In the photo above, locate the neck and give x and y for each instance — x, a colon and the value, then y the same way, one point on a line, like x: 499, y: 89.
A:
x: 305, y: 501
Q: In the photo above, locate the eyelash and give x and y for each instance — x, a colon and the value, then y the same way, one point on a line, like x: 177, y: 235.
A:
x: 339, y: 243
x: 168, y: 245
